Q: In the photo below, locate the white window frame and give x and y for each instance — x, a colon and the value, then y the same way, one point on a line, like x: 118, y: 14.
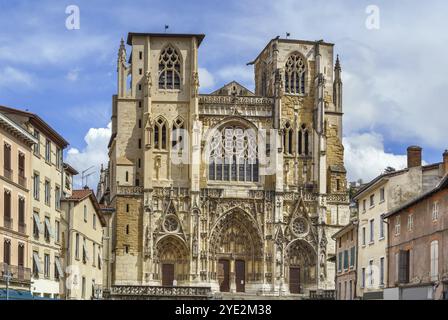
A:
x: 397, y: 225
x: 434, y: 262
x: 372, y: 231
x: 410, y: 222
x: 435, y: 210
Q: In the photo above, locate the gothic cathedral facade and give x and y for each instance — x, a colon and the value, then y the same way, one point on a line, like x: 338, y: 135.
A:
x: 235, y: 191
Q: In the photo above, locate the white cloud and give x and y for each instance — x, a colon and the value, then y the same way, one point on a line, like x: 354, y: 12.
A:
x: 10, y: 77
x: 206, y: 79
x: 238, y: 73
x: 365, y: 157
x: 73, y: 74
x: 94, y: 154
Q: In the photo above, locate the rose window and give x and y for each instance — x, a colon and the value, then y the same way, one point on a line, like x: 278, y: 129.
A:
x: 171, y: 224
x: 299, y: 226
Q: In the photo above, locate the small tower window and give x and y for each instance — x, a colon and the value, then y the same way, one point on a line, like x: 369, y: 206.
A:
x: 160, y: 134
x: 287, y: 138
x: 295, y: 74
x: 169, y: 69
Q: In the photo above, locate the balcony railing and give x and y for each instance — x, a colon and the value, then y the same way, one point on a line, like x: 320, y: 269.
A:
x: 134, y: 292
x: 129, y: 190
x: 323, y: 294
x: 7, y: 222
x: 22, y: 181
x: 7, y: 173
x: 19, y: 273
x: 22, y: 227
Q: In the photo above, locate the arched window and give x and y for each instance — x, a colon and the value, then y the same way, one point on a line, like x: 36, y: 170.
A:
x: 169, y: 69
x: 233, y: 155
x: 160, y: 134
x: 287, y: 138
x: 295, y: 74
x: 178, y: 126
x: 303, y: 141
x: 263, y: 83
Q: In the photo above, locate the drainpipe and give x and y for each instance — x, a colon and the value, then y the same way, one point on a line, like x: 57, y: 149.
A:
x: 387, y: 253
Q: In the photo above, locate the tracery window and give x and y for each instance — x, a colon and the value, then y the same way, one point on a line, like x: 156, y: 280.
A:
x: 169, y: 69
x: 160, y: 134
x: 295, y: 74
x: 178, y: 126
x: 233, y: 155
x: 303, y: 141
x: 287, y: 138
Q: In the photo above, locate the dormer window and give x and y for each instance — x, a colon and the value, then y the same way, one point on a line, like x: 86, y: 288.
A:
x: 169, y: 69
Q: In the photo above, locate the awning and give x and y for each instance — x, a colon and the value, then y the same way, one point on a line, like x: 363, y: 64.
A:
x: 84, y: 247
x: 16, y: 295
x: 37, y: 262
x: 47, y: 223
x: 37, y: 221
x: 59, y: 267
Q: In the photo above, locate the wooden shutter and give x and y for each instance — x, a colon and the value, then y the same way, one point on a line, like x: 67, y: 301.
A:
x: 7, y: 205
x: 403, y: 275
x: 21, y: 256
x: 7, y: 156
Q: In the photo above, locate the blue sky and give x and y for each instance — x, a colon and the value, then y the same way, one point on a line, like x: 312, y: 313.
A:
x: 395, y: 86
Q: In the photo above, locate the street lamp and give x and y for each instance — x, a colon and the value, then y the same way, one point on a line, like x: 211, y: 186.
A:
x: 7, y: 277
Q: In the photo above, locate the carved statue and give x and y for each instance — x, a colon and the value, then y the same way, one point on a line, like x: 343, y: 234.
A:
x: 148, y: 83
x: 195, y: 84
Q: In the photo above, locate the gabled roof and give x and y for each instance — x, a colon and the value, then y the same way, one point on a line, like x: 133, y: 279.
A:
x: 386, y: 175
x: 70, y: 169
x: 80, y: 195
x: 345, y: 229
x: 233, y: 87
x: 37, y: 121
x: 200, y: 36
x: 443, y: 184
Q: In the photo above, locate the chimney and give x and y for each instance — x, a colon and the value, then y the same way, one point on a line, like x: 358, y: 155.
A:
x: 414, y: 156
x: 445, y: 162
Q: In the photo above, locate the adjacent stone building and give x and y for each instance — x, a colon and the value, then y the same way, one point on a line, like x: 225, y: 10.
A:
x: 231, y: 191
x: 82, y: 234
x: 381, y: 195
x: 15, y: 206
x: 346, y: 274
x: 418, y: 245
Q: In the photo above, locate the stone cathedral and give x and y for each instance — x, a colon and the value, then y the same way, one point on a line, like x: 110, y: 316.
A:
x: 232, y: 191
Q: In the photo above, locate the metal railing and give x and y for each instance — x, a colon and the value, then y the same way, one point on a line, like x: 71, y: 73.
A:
x: 22, y: 227
x: 7, y: 173
x: 22, y: 180
x: 19, y: 273
x: 7, y: 222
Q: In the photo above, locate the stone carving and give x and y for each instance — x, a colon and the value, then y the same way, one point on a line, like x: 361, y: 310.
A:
x: 148, y: 83
x: 195, y: 84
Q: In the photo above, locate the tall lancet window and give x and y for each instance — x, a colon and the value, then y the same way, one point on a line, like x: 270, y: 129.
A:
x: 303, y: 141
x: 295, y: 74
x: 160, y: 134
x: 169, y: 69
x: 287, y: 138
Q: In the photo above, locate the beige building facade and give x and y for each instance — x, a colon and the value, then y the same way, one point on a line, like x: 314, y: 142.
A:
x: 346, y: 275
x: 15, y: 204
x: 231, y: 191
x: 82, y: 234
x: 376, y: 198
x: 48, y: 186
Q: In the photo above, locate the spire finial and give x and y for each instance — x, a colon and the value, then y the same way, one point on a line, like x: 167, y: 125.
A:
x: 338, y: 64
